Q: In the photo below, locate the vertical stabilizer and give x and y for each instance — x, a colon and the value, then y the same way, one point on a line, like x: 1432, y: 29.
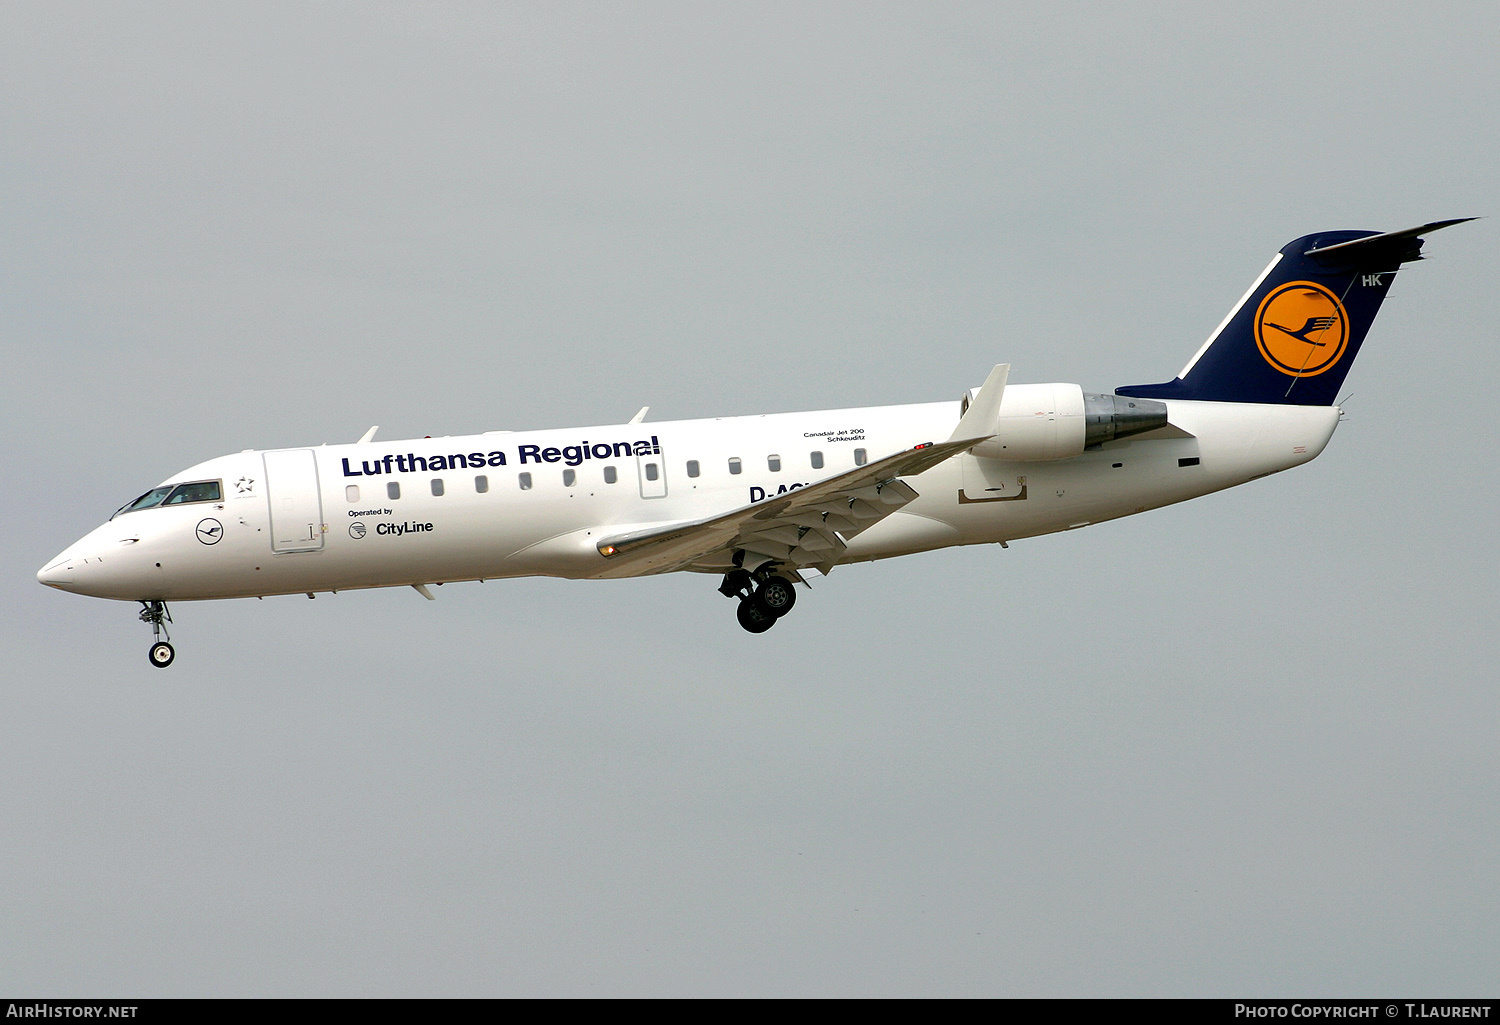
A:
x: 1295, y: 333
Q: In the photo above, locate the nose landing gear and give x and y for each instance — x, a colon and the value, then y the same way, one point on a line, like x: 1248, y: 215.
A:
x: 764, y: 597
x: 161, y: 652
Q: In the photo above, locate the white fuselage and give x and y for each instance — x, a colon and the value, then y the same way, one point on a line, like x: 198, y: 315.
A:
x: 323, y: 519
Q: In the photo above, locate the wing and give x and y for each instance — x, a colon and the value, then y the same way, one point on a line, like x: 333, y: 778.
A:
x: 804, y: 527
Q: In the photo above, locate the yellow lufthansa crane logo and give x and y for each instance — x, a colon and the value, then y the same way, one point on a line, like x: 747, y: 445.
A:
x: 1301, y: 328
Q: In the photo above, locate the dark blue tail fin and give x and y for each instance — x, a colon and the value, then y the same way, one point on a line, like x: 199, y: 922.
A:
x: 1294, y: 335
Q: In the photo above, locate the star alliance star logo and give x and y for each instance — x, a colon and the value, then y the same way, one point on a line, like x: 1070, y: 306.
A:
x: 245, y: 485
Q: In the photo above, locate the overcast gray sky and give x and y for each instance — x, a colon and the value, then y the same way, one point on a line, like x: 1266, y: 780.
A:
x: 1242, y: 746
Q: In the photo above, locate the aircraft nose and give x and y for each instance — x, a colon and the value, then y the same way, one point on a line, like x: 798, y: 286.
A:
x: 107, y: 562
x: 57, y: 573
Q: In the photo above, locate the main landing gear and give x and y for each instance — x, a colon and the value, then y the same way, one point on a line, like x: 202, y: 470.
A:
x: 162, y: 653
x: 765, y: 596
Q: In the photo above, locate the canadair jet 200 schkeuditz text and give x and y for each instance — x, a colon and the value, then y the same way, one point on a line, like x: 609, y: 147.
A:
x: 759, y: 500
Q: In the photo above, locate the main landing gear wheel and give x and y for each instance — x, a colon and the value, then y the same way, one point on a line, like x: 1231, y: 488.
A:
x: 764, y: 596
x: 753, y: 616
x: 776, y: 595
x: 162, y: 654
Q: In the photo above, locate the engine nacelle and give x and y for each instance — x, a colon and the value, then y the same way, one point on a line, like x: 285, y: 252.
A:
x: 1037, y: 422
x: 1058, y: 421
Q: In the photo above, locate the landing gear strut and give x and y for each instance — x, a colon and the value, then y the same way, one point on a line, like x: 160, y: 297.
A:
x: 765, y: 596
x: 161, y: 653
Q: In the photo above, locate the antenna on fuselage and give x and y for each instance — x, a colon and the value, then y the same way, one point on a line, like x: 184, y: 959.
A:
x: 639, y: 416
x: 369, y: 435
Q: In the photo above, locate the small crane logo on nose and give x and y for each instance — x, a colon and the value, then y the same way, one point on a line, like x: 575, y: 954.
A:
x: 210, y: 531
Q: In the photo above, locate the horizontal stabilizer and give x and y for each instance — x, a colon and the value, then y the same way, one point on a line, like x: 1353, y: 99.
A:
x: 1390, y: 243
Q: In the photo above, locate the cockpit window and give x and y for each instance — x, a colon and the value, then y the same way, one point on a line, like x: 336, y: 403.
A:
x: 200, y: 491
x: 179, y: 494
x: 146, y: 501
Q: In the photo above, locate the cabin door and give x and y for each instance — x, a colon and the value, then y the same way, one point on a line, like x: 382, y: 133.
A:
x: 296, y: 505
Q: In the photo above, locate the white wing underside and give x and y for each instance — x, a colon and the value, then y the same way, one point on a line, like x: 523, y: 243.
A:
x: 805, y: 527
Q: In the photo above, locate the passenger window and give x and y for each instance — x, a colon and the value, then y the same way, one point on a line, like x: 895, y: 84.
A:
x: 692, y: 468
x: 570, y: 477
x: 609, y: 475
x: 437, y: 487
x: 525, y: 481
x: 392, y: 490
x: 652, y: 472
x: 773, y: 463
x: 202, y: 491
x: 481, y: 484
x: 860, y: 457
x: 734, y: 464
x: 817, y: 460
x: 351, y: 492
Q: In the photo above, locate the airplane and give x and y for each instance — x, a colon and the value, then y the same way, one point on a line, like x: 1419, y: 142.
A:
x: 759, y: 501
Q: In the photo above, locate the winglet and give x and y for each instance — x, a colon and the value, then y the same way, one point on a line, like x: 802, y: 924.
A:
x: 368, y: 436
x: 639, y: 416
x: 981, y: 420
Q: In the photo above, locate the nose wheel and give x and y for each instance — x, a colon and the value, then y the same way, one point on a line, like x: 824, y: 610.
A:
x: 161, y: 652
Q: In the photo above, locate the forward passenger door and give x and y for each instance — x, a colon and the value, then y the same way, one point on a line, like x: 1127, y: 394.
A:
x: 296, y: 505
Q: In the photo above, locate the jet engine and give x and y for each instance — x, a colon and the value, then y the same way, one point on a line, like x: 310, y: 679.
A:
x: 1041, y: 422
